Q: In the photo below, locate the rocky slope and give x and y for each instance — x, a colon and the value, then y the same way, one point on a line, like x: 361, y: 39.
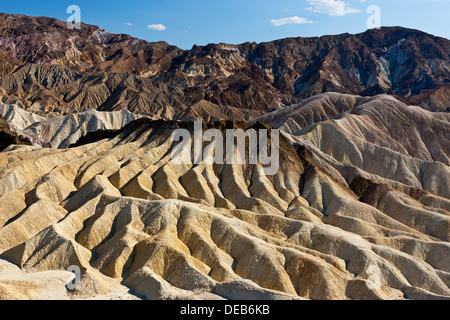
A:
x: 70, y: 70
x: 9, y: 137
x: 17, y: 117
x: 62, y: 131
x: 359, y: 208
x: 331, y: 120
x: 123, y: 211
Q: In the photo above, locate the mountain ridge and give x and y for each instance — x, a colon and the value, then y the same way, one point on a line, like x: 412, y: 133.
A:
x: 68, y: 71
x: 359, y: 208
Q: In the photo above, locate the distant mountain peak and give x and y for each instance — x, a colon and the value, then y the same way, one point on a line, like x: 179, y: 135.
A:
x: 161, y: 78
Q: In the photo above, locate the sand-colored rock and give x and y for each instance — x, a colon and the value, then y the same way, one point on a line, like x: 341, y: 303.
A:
x: 121, y: 210
x: 62, y: 131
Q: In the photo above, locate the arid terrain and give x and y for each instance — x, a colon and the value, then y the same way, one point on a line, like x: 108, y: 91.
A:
x: 359, y: 208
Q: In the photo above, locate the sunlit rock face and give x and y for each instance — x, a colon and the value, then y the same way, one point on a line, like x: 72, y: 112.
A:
x: 359, y: 207
x: 324, y: 226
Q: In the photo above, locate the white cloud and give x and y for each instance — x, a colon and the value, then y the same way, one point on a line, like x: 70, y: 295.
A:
x: 129, y: 24
x: 331, y: 7
x: 291, y: 20
x: 156, y: 27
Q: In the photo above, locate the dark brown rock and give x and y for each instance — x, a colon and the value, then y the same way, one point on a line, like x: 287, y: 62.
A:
x: 74, y: 70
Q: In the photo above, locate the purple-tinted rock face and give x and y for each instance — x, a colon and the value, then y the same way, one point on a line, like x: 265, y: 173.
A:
x: 74, y: 70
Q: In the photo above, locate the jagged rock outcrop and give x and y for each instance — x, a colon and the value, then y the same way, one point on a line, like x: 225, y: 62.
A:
x: 17, y: 117
x: 9, y: 137
x: 63, y: 131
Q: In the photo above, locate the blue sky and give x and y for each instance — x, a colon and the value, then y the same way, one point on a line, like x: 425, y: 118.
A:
x: 187, y: 22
